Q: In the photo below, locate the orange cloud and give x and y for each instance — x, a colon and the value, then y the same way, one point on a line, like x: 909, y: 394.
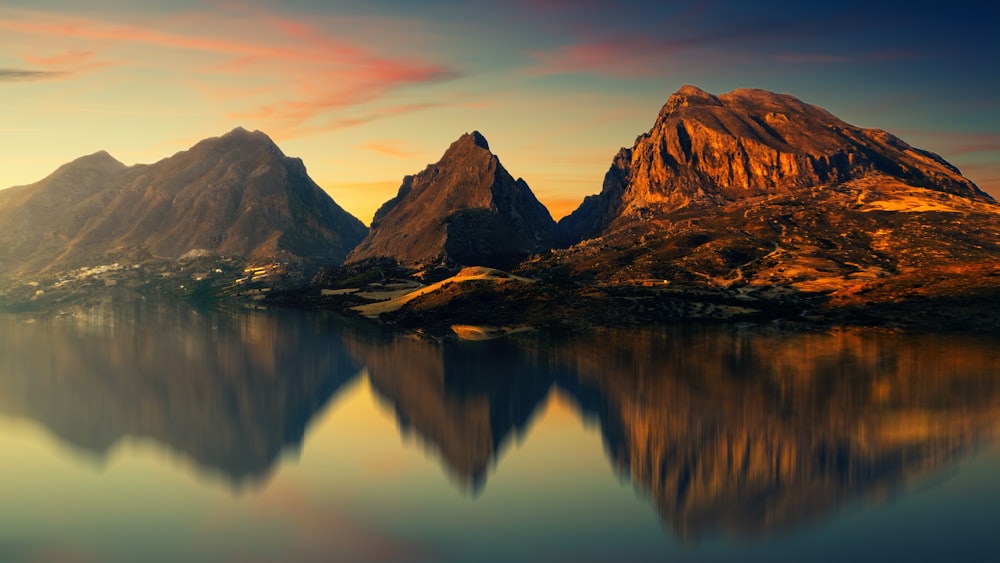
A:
x: 305, y: 74
x: 28, y: 75
x: 626, y: 58
x: 388, y: 147
x: 69, y: 58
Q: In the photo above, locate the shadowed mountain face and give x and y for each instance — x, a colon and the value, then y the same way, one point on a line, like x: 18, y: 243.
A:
x: 464, y: 209
x: 235, y: 195
x: 229, y: 392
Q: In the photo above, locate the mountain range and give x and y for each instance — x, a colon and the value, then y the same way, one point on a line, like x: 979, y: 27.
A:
x: 234, y: 195
x: 749, y: 205
x: 737, y: 205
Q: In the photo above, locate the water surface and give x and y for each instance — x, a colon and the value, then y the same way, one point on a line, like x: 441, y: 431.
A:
x: 142, y: 432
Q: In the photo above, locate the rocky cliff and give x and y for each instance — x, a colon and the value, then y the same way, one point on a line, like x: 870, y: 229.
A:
x: 762, y: 195
x: 464, y: 209
x: 718, y: 149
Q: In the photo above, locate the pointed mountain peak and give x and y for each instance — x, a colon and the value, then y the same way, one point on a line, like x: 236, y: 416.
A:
x: 693, y: 95
x: 688, y: 96
x: 469, y: 140
x: 693, y: 92
x: 241, y: 133
x: 464, y: 209
x: 238, y: 142
x: 478, y: 140
x: 100, y: 159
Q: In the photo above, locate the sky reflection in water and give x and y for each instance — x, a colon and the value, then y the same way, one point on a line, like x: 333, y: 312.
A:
x: 163, y: 432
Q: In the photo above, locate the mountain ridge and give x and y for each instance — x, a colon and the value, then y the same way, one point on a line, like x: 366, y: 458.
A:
x: 748, y: 206
x: 712, y: 149
x: 236, y: 195
x: 466, y: 208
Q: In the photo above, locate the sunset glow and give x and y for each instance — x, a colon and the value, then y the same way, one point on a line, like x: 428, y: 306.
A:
x: 367, y: 92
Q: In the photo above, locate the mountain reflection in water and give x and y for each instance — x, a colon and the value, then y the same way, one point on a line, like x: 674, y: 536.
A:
x: 723, y: 429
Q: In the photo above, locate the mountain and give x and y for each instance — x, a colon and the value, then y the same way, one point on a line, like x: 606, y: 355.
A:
x: 706, y: 149
x: 762, y: 195
x: 235, y: 195
x: 464, y: 209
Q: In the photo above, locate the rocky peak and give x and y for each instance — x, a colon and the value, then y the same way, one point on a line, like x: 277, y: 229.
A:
x: 239, y: 144
x: 688, y: 96
x: 100, y: 159
x: 233, y: 195
x: 712, y: 150
x: 476, y: 138
x: 98, y: 164
x: 465, y: 209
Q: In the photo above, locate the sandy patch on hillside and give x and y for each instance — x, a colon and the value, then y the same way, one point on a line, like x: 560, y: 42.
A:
x: 394, y: 302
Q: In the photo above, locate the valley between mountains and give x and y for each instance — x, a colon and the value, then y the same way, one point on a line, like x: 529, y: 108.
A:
x: 748, y: 206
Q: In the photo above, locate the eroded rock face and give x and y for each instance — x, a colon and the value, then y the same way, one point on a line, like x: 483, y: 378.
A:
x: 719, y: 149
x: 763, y: 194
x: 466, y: 209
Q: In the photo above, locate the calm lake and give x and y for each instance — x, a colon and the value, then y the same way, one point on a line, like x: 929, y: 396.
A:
x: 142, y: 432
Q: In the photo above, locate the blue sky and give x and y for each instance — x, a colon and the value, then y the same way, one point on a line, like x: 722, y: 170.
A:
x: 366, y: 92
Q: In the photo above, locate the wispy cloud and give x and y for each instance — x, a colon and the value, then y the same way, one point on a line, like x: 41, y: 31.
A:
x: 71, y: 58
x: 25, y: 75
x: 387, y: 147
x: 610, y: 39
x: 295, y: 75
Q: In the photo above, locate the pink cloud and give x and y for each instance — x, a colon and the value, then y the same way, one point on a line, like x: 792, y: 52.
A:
x: 67, y: 59
x: 625, y: 58
x: 306, y: 72
x: 389, y: 147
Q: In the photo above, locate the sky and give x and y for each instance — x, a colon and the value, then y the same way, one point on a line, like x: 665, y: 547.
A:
x: 368, y: 91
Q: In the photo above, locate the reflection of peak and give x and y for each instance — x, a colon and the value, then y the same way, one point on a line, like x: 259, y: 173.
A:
x: 207, y: 390
x: 762, y: 433
x: 462, y: 403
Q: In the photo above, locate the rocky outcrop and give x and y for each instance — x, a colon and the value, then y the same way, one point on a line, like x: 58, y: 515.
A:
x: 764, y: 196
x: 719, y: 149
x: 465, y: 209
x: 235, y: 195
